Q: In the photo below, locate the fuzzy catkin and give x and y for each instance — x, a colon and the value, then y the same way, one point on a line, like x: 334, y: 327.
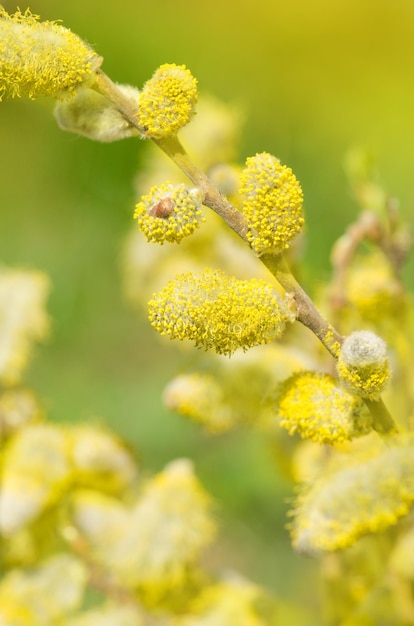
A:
x: 365, y: 494
x: 41, y: 58
x: 220, y: 312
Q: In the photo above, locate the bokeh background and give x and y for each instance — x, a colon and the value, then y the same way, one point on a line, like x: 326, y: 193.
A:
x: 314, y: 80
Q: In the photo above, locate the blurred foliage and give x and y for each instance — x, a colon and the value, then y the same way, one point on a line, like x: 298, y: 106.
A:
x: 313, y: 80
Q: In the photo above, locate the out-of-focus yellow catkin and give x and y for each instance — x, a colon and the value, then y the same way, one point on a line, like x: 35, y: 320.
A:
x: 174, y: 523
x: 166, y: 102
x: 45, y: 594
x: 224, y: 604
x: 363, y: 364
x: 220, y: 312
x: 314, y: 406
x: 359, y: 494
x: 108, y: 614
x: 41, y: 58
x: 200, y: 397
x: 23, y: 319
x: 231, y: 392
x: 100, y: 460
x: 18, y: 408
x: 371, y: 286
x: 169, y: 213
x: 272, y: 204
x: 152, y: 544
x: 36, y: 471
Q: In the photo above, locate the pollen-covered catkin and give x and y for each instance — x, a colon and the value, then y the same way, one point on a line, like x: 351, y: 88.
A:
x: 313, y: 405
x: 41, y: 58
x: 272, y: 204
x: 167, y: 100
x: 169, y: 213
x: 220, y: 312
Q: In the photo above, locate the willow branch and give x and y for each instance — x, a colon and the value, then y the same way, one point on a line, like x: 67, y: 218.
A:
x: 307, y: 313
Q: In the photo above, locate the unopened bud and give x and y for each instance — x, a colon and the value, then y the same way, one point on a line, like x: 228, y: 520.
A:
x: 363, y: 364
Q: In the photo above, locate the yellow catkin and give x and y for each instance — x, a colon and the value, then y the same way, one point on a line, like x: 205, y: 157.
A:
x: 314, y: 406
x: 169, y: 213
x: 166, y: 102
x: 37, y: 470
x: 45, y: 594
x: 219, y: 312
x: 272, y: 203
x: 199, y: 397
x: 371, y: 286
x: 153, y: 543
x: 41, y: 58
x: 232, y: 601
x: 364, y: 495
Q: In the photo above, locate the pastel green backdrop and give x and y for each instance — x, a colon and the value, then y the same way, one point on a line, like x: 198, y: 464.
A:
x: 314, y: 78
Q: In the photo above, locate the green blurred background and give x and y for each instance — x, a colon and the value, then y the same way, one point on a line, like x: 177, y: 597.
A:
x: 315, y: 79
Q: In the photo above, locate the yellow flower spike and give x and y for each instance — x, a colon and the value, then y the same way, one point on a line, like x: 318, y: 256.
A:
x: 166, y: 102
x: 36, y: 471
x: 44, y: 594
x: 199, y: 397
x: 272, y: 204
x: 169, y: 213
x: 356, y: 495
x: 314, y: 406
x: 363, y: 364
x: 174, y: 522
x: 18, y: 408
x: 220, y: 312
x: 41, y: 58
x: 100, y: 460
x: 371, y: 286
x: 153, y: 544
x: 232, y: 601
